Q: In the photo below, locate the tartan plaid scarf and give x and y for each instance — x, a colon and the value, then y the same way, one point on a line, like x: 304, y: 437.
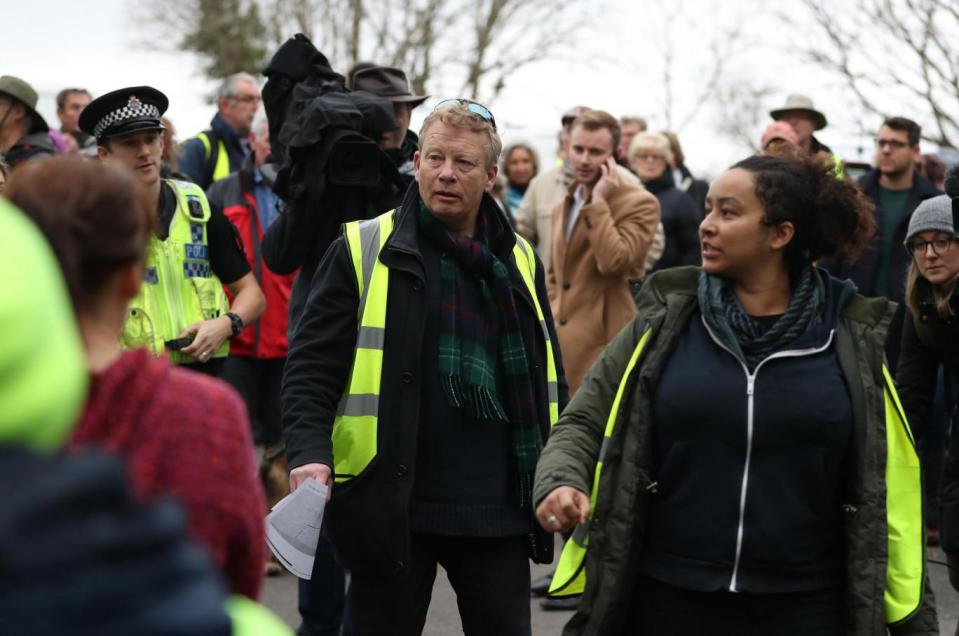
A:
x: 476, y: 305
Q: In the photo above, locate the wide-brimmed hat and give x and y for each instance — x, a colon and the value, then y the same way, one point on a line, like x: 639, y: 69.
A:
x: 124, y: 111
x: 22, y: 92
x: 388, y: 82
x: 803, y: 103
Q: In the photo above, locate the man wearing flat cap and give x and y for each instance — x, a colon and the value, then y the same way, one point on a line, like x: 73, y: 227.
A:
x: 23, y: 131
x: 181, y: 307
x: 391, y: 83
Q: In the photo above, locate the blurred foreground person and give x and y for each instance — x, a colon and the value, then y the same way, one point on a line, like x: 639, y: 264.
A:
x: 737, y: 460
x: 180, y: 433
x: 930, y: 338
x: 79, y: 555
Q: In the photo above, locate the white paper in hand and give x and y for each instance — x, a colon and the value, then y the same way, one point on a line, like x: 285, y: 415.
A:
x: 293, y: 527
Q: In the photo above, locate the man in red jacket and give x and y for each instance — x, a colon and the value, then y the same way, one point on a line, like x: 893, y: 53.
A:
x: 257, y: 355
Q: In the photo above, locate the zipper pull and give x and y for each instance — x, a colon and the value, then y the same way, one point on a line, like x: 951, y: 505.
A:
x: 750, y: 385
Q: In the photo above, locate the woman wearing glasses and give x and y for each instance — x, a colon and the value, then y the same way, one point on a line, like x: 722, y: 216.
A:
x: 650, y: 156
x: 930, y: 339
x: 735, y: 462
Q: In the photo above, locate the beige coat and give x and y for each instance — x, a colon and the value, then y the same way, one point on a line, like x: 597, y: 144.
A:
x: 534, y: 217
x: 588, y: 280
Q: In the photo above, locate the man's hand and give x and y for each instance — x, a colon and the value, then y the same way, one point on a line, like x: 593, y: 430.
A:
x: 608, y: 180
x: 319, y: 472
x: 563, y: 509
x: 208, y: 337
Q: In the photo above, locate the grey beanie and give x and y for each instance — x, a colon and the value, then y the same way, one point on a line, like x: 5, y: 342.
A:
x: 934, y: 215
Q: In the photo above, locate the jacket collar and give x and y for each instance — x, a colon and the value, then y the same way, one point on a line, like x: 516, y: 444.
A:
x: 402, y: 248
x: 222, y: 129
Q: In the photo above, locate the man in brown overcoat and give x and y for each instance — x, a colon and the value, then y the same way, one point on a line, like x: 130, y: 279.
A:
x: 601, y: 234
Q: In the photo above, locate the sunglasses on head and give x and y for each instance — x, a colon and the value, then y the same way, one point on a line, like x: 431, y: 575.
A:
x: 474, y: 107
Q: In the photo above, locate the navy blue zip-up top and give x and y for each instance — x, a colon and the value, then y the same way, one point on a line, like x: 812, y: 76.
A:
x: 749, y: 470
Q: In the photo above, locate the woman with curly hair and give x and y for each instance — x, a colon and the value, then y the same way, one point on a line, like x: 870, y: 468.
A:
x: 736, y: 462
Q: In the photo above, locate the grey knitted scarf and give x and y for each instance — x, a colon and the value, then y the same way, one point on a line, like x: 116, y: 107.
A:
x: 742, y: 334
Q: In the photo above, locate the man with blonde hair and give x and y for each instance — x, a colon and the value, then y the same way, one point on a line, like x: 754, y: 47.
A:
x: 422, y: 381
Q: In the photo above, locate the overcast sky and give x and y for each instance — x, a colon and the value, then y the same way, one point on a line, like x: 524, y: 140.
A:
x: 58, y: 43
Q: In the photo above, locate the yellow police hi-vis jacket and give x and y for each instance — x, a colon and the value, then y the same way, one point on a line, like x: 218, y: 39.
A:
x: 179, y: 287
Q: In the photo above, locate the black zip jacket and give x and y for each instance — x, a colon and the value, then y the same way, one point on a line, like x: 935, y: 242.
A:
x: 368, y: 517
x: 680, y: 223
x: 916, y: 382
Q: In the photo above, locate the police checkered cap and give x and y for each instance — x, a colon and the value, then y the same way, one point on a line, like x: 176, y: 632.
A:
x: 124, y: 111
x: 135, y: 109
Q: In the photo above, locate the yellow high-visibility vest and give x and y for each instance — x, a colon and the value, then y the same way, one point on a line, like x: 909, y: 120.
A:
x: 179, y: 287
x: 221, y: 169
x: 354, y: 428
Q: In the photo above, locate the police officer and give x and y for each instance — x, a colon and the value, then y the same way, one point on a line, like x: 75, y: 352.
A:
x: 192, y: 254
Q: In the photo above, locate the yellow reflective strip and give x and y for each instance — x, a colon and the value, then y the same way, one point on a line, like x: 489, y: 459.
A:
x: 570, y: 576
x: 614, y: 412
x: 895, y: 399
x: 352, y: 232
x: 365, y: 378
x: 252, y: 619
x: 222, y: 168
x: 905, y: 568
x: 206, y: 144
x: 354, y: 444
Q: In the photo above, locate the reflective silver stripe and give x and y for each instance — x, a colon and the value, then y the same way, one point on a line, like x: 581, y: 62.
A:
x: 371, y: 338
x: 580, y: 534
x: 604, y: 448
x: 522, y: 246
x: 552, y: 390
x: 369, y: 250
x: 359, y: 404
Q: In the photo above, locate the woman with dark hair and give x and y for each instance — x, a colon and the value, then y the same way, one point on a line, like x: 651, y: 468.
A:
x: 930, y: 338
x: 736, y: 462
x: 179, y: 432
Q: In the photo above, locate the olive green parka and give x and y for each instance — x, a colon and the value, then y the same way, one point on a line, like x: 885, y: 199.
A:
x: 881, y: 591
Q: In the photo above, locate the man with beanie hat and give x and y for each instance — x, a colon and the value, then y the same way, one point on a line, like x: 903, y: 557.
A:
x: 23, y: 131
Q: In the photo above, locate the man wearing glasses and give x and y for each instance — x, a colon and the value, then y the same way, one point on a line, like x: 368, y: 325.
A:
x: 421, y: 383
x: 218, y: 152
x: 896, y: 188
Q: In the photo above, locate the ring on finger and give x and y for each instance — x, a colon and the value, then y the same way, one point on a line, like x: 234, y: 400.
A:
x: 552, y: 520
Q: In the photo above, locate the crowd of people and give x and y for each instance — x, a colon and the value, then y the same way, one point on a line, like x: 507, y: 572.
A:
x: 732, y: 401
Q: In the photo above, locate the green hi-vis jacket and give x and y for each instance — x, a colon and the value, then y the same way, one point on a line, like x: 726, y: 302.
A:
x: 179, y: 287
x: 355, y: 425
x: 609, y: 420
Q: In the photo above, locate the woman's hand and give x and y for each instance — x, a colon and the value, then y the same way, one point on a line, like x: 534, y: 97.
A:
x: 563, y: 509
